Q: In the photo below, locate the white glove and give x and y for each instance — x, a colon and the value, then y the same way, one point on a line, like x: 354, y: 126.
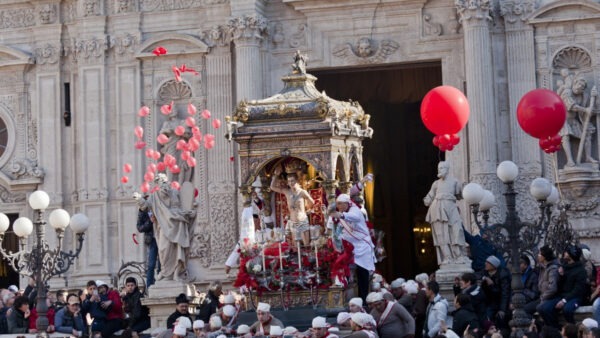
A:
x: 137, y: 196
x: 368, y: 178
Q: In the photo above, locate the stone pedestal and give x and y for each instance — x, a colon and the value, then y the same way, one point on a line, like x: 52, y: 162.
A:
x: 161, y: 300
x: 445, y: 277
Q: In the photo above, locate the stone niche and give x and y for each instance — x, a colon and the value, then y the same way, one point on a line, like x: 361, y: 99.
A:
x: 567, y: 43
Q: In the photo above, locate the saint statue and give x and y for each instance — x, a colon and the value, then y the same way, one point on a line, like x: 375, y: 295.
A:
x: 175, y: 214
x: 579, y: 109
x: 168, y: 128
x: 298, y: 200
x: 446, y: 224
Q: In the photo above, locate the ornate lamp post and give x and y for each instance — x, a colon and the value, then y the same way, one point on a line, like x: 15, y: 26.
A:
x: 514, y: 237
x: 42, y: 263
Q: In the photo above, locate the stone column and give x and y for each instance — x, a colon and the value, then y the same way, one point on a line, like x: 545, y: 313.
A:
x: 520, y: 60
x: 248, y: 31
x: 475, y: 18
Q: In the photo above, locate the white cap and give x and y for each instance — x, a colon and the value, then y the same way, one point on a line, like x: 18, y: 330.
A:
x: 198, y: 324
x: 275, y: 331
x: 100, y: 283
x: 397, y: 283
x: 374, y: 297
x: 229, y: 310
x: 221, y: 336
x: 243, y: 329
x: 356, y: 301
x: 361, y: 319
x: 590, y: 323
x: 289, y: 330
x: 377, y: 278
x: 343, y: 317
x: 587, y: 254
x: 422, y: 278
x: 215, y: 322
x: 229, y: 299
x: 13, y: 288
x: 333, y: 329
x: 343, y: 198
x: 263, y: 307
x: 180, y: 330
x: 411, y: 287
x: 185, y: 322
x: 319, y: 322
x: 331, y: 335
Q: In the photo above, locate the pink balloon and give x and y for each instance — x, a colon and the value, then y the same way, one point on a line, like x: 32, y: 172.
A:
x: 191, y: 162
x: 140, y: 145
x: 193, y: 144
x: 149, y: 153
x: 205, y: 114
x: 139, y: 132
x: 175, y: 169
x: 179, y: 130
x: 145, y: 187
x: 181, y: 144
x: 144, y: 111
x: 216, y: 123
x: 209, y: 145
x: 169, y: 160
x: 155, y: 189
x: 209, y: 137
x: 185, y: 155
x: 175, y: 185
x: 166, y: 109
x: 156, y: 155
x: 196, y: 130
x: 127, y: 168
x: 149, y: 176
x: 151, y: 168
x: 197, y: 136
x: 190, y: 121
x: 124, y: 179
x: 161, y: 166
x: 191, y: 109
x: 162, y: 138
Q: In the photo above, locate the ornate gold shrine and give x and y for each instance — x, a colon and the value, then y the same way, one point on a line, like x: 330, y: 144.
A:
x: 332, y: 298
x: 300, y: 123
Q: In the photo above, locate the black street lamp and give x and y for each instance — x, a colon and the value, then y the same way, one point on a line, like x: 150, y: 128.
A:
x: 514, y: 237
x: 40, y: 262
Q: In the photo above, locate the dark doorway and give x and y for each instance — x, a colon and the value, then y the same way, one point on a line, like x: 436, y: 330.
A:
x: 10, y: 243
x: 400, y: 154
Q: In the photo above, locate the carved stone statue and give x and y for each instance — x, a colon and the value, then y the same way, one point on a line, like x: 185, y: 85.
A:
x: 175, y: 214
x: 446, y: 224
x: 364, y: 47
x: 572, y: 90
x: 186, y: 173
x: 299, y: 66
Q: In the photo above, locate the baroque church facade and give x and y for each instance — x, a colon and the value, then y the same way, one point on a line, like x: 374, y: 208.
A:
x: 75, y: 73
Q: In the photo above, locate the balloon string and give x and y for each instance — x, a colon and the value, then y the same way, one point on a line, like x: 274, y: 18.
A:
x: 555, y: 167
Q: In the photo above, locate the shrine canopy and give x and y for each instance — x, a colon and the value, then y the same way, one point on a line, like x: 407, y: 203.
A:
x: 302, y: 123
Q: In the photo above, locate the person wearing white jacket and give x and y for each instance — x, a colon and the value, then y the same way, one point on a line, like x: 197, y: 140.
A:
x: 437, y: 310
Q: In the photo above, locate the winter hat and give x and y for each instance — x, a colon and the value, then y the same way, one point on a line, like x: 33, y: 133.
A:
x: 275, y: 331
x: 181, y: 299
x: 356, y: 301
x: 229, y: 310
x: 494, y: 261
x: 361, y: 319
x: 590, y: 323
x: 343, y: 317
x: 198, y: 324
x: 343, y: 198
x: 575, y: 252
x: 397, y: 283
x: 263, y: 307
x: 319, y: 322
x: 180, y: 330
x: 243, y: 329
x: 411, y: 287
x: 184, y: 322
x: 374, y: 297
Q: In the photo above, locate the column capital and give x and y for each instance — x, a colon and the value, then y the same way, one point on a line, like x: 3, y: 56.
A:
x: 516, y: 12
x: 248, y: 29
x: 473, y: 10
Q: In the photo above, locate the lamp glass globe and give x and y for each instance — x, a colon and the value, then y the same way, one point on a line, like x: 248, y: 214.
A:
x: 488, y: 201
x: 4, y: 223
x: 540, y: 188
x: 39, y: 200
x: 554, y: 197
x: 23, y: 227
x: 473, y: 193
x: 59, y: 219
x: 79, y: 223
x: 507, y: 171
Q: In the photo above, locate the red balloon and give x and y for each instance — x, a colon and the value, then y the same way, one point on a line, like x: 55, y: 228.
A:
x: 191, y: 109
x: 162, y: 138
x: 445, y: 110
x: 138, y: 131
x: 216, y: 123
x: 124, y: 179
x: 144, y: 111
x: 454, y: 139
x: 127, y: 167
x: 545, y: 143
x: 175, y: 169
x: 175, y: 185
x: 190, y: 121
x: 161, y: 166
x: 445, y: 140
x: 140, y: 145
x: 556, y: 140
x: 191, y: 162
x: 541, y: 113
x: 145, y: 187
x: 436, y: 141
x: 179, y: 130
x: 205, y: 114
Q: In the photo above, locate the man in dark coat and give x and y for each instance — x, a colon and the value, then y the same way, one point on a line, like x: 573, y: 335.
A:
x: 572, y: 287
x: 464, y: 316
x: 496, y: 286
x: 139, y: 319
x: 210, y: 304
x: 469, y: 287
x: 529, y: 278
x: 181, y: 310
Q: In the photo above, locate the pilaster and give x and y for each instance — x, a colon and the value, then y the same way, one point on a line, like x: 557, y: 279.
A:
x: 475, y: 18
x: 248, y: 32
x: 521, y: 79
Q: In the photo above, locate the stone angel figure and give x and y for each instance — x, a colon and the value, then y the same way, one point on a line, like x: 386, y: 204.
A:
x: 366, y: 50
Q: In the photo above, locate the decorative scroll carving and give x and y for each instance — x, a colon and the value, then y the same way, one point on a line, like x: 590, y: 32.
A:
x: 222, y: 216
x: 431, y: 28
x: 366, y: 50
x: 516, y: 10
x: 26, y: 168
x: 167, y: 5
x: 92, y: 48
x: 47, y: 14
x: 8, y: 197
x: 217, y: 36
x: 249, y: 28
x: 473, y: 9
x: 173, y: 91
x: 124, y: 44
x: 16, y: 18
x: 48, y: 54
x: 201, y: 246
x: 299, y: 37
